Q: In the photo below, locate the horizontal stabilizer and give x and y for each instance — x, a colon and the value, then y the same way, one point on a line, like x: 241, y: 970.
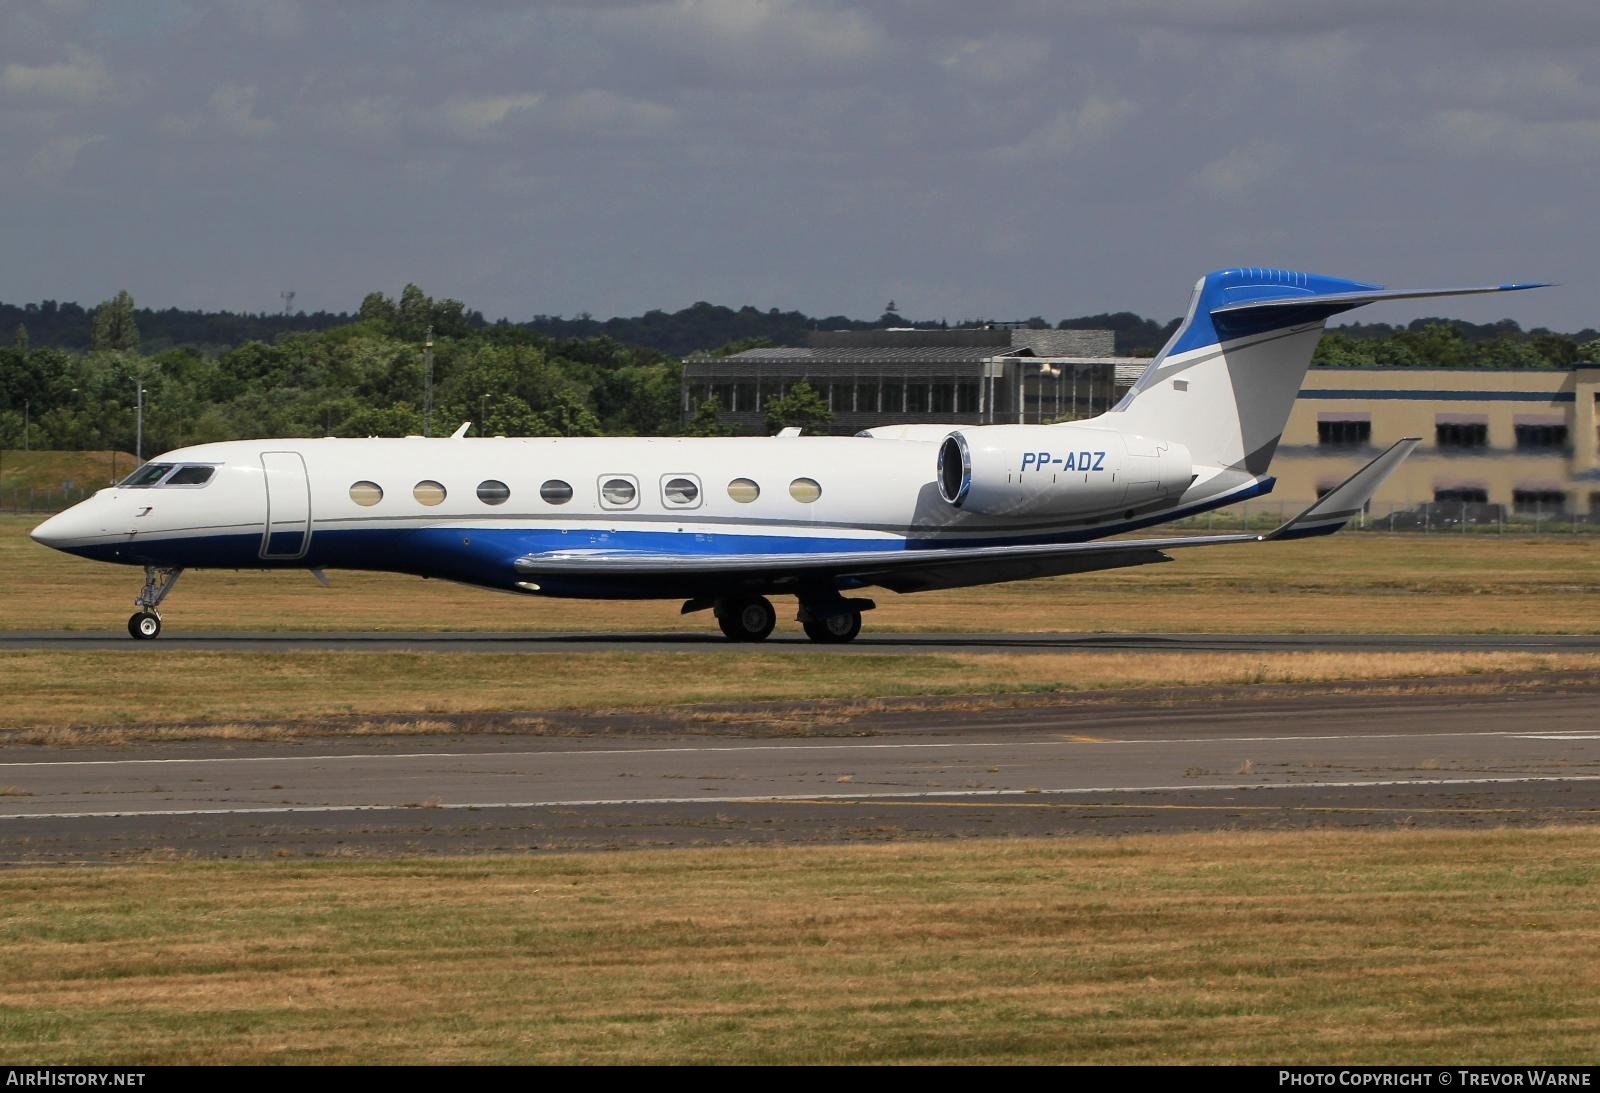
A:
x: 1335, y: 508
x: 1343, y: 301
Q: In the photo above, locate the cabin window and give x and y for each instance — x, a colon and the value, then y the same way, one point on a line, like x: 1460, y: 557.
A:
x: 493, y: 492
x: 618, y: 492
x: 147, y: 475
x: 743, y: 490
x: 191, y: 476
x: 428, y: 492
x: 680, y: 491
x: 805, y: 490
x: 555, y: 492
x: 366, y: 494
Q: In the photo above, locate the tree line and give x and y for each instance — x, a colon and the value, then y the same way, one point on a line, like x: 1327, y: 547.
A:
x: 362, y: 377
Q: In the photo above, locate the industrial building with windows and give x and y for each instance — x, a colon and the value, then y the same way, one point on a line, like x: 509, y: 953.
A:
x: 1523, y: 440
x: 967, y: 376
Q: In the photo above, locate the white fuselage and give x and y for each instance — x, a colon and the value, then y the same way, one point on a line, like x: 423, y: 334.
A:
x: 464, y: 508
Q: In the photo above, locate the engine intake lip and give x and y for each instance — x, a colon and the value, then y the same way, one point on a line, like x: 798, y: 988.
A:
x: 955, y: 469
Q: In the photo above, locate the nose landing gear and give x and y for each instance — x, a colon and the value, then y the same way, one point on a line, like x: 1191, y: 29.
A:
x: 146, y: 623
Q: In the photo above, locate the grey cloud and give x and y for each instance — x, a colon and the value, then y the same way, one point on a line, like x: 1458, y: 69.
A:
x: 80, y: 78
x: 1006, y: 159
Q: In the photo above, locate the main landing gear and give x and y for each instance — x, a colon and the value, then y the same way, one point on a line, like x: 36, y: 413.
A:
x: 145, y: 623
x: 746, y: 618
x: 834, y: 629
x: 831, y: 620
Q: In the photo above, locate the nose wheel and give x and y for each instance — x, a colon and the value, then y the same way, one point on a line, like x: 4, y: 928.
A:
x: 145, y: 623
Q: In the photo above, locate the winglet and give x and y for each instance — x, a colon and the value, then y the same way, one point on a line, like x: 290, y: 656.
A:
x: 1334, y: 509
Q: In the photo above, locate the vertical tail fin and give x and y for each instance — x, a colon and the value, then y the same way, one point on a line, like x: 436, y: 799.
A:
x: 1225, y: 383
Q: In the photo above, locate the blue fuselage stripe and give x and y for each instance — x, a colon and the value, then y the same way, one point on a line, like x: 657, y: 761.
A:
x: 485, y: 555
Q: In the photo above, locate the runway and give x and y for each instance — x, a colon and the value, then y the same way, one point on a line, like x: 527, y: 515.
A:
x: 1052, y: 768
x: 177, y: 639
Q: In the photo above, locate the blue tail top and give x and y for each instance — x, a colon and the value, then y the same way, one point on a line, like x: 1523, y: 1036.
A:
x: 1236, y: 303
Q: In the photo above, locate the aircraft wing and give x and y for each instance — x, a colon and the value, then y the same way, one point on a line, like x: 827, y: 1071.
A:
x: 916, y: 570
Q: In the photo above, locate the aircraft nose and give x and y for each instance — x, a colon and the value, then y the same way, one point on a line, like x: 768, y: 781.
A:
x: 51, y: 533
x: 66, y: 529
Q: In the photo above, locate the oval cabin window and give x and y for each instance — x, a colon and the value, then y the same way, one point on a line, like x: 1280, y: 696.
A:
x: 428, y: 493
x: 805, y: 490
x: 555, y: 492
x: 618, y: 491
x: 366, y: 494
x: 743, y: 490
x: 493, y: 492
x: 680, y: 491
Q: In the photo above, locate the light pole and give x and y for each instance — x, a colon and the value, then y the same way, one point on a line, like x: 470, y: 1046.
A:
x: 483, y: 415
x: 138, y: 428
x: 427, y: 388
x: 27, y: 416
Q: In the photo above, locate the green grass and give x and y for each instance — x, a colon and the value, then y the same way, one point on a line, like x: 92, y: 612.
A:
x: 1326, y: 947
x: 47, y: 470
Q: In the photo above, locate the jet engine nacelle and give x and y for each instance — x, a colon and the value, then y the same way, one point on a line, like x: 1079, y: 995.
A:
x: 1058, y: 470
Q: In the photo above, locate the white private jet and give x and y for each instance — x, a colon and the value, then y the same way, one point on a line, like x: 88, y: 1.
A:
x: 724, y: 523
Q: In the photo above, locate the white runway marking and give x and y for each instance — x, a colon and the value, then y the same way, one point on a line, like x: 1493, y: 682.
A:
x: 1077, y: 741
x: 763, y: 799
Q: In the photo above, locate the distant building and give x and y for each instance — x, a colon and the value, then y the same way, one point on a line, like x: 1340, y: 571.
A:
x: 1523, y: 439
x: 885, y: 377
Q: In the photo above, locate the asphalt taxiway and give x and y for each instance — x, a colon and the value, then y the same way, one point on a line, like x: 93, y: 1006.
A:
x: 785, y: 639
x: 1506, y: 752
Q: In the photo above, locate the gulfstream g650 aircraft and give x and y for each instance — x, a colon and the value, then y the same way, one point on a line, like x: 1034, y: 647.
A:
x: 725, y: 523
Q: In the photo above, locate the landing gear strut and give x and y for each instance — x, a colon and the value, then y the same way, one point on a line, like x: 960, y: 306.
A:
x: 746, y: 618
x: 145, y: 623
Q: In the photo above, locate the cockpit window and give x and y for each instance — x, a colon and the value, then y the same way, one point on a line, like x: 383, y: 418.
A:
x: 147, y: 475
x: 165, y: 474
x: 191, y: 476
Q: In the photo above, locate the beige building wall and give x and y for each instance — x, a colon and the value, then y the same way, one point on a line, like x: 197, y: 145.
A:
x: 1402, y: 402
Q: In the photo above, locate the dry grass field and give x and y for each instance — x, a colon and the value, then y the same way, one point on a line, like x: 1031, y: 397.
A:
x: 1263, y: 948
x: 90, y: 698
x: 1353, y: 582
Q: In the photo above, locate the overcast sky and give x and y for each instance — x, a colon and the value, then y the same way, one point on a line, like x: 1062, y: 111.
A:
x: 996, y: 159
